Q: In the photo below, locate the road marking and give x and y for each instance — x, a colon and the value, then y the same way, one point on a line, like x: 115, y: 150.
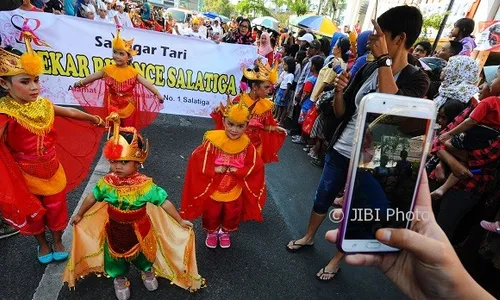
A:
x: 51, y: 283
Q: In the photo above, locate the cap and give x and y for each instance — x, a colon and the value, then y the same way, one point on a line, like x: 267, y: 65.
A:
x: 307, y: 37
x: 315, y: 44
x: 120, y: 3
x: 108, y: 1
x: 490, y: 73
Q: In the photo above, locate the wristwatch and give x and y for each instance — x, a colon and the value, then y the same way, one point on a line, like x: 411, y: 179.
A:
x: 384, y: 61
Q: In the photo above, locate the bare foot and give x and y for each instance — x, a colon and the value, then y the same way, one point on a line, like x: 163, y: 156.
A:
x: 58, y: 247
x: 298, y: 244
x: 440, y: 173
x: 327, y: 273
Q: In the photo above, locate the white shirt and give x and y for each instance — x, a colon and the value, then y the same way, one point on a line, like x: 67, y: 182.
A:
x: 191, y: 33
x: 111, y: 14
x: 105, y: 20
x: 124, y: 19
x: 217, y: 29
x: 286, y: 79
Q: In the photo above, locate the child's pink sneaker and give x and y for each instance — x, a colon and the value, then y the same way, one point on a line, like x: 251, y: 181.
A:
x: 211, y: 241
x: 491, y: 226
x: 224, y: 240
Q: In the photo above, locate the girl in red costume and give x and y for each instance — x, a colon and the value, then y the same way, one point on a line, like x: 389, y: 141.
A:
x: 34, y: 182
x: 263, y: 130
x: 225, y: 179
x: 120, y: 88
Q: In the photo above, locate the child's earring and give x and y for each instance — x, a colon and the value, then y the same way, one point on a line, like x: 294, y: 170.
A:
x: 142, y: 166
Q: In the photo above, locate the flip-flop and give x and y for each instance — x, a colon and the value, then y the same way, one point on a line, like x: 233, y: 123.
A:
x: 300, y: 246
x: 324, y: 272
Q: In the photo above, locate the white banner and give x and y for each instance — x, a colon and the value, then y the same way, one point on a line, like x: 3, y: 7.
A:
x: 193, y: 75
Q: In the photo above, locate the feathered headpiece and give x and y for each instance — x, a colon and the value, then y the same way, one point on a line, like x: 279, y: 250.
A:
x: 121, y: 44
x: 28, y: 63
x: 265, y: 72
x: 237, y: 113
x: 117, y: 147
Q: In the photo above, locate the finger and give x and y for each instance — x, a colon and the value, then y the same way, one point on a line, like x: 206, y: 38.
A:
x: 377, y: 27
x: 424, y: 248
x: 424, y: 195
x: 469, y: 174
x: 364, y: 260
x: 331, y: 235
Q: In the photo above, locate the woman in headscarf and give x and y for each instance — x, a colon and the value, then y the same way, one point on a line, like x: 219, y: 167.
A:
x: 265, y: 48
x: 459, y: 80
x: 242, y: 35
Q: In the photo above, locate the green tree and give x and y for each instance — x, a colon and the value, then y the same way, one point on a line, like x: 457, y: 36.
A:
x: 253, y: 8
x: 298, y: 7
x: 432, y: 21
x: 222, y: 7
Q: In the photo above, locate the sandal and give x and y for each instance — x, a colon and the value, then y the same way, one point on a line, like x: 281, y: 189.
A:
x: 324, y: 272
x: 299, y: 246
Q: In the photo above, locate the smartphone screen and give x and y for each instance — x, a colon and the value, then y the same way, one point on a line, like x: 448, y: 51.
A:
x: 387, y: 174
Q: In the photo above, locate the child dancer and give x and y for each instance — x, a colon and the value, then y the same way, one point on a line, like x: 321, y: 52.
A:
x: 121, y: 222
x: 126, y: 92
x: 34, y: 182
x: 263, y: 130
x: 225, y: 179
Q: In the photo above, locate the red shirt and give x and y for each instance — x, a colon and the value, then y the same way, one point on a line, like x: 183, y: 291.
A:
x: 487, y: 112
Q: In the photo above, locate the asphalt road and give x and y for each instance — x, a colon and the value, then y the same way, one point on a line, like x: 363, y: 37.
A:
x: 257, y: 266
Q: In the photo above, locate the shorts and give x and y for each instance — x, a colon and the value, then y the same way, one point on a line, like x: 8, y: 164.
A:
x: 478, y: 137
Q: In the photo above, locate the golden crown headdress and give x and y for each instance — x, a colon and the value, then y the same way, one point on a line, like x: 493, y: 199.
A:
x: 117, y: 147
x: 121, y: 44
x: 237, y: 113
x: 28, y: 63
x: 265, y: 72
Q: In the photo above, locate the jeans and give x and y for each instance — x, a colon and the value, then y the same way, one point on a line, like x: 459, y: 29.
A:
x: 332, y: 181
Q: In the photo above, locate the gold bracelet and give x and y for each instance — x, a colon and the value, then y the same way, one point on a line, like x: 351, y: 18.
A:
x: 100, y: 121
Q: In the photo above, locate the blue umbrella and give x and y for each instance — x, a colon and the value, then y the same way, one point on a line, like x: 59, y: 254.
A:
x: 267, y: 22
x: 211, y: 15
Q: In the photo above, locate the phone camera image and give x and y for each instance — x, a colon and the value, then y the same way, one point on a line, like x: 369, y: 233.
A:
x: 386, y: 175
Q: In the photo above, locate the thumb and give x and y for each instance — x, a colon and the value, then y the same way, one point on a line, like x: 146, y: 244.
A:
x: 424, y: 248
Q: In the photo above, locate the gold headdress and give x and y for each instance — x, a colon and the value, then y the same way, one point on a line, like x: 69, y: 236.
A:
x: 121, y: 44
x: 265, y: 73
x: 29, y: 63
x: 237, y: 113
x: 117, y: 147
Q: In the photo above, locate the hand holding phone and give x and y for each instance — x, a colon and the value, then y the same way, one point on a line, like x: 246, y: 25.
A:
x: 385, y: 169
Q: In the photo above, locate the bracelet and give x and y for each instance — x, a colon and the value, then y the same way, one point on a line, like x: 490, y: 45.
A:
x: 100, y: 121
x: 382, y: 56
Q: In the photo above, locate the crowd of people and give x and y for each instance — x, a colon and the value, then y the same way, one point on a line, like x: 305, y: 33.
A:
x: 316, y: 86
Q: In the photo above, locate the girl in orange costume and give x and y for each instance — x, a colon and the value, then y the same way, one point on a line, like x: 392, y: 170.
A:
x: 34, y: 182
x: 263, y: 130
x: 120, y: 88
x: 225, y: 179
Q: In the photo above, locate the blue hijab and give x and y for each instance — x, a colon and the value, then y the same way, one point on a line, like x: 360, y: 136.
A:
x: 335, y: 37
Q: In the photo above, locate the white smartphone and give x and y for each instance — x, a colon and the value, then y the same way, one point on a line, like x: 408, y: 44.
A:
x: 394, y: 134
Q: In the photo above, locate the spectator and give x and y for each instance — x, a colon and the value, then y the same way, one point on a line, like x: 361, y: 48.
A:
x: 28, y: 6
x: 102, y: 13
x: 54, y: 6
x: 461, y: 32
x: 449, y: 111
x: 265, y: 49
x: 284, y: 88
x: 395, y: 33
x: 459, y: 80
x: 217, y: 31
x: 449, y: 49
x: 335, y: 37
x: 362, y: 52
x: 123, y: 17
x: 146, y: 11
x: 422, y: 49
x: 305, y: 41
x: 111, y: 13
x: 326, y: 49
x: 194, y: 31
x: 241, y: 35
x: 85, y: 9
x: 69, y: 7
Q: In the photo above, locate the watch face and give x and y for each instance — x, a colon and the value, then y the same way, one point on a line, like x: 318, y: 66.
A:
x: 388, y: 62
